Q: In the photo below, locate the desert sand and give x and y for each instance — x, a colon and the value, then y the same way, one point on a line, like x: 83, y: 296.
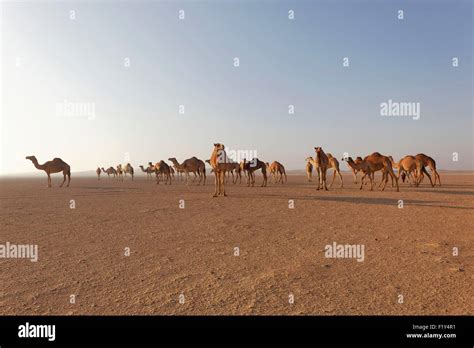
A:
x: 191, y: 251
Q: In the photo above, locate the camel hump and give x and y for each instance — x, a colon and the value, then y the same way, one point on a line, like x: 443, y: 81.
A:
x: 57, y: 159
x: 328, y: 154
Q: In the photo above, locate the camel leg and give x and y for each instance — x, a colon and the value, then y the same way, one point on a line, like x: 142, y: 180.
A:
x: 49, y: 180
x: 333, y: 178
x: 223, y: 188
x: 392, y: 175
x: 424, y: 171
x: 319, y: 178
x: 436, y: 176
x: 340, y: 177
x: 216, y: 184
x: 355, y: 176
x: 362, y: 181
x: 324, y: 180
x: 64, y: 180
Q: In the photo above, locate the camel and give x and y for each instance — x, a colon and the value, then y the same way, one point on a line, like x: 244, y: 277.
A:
x: 322, y: 163
x: 128, y: 169
x: 110, y: 170
x: 408, y: 166
x: 221, y: 164
x: 148, y: 171
x: 360, y: 165
x: 163, y: 169
x: 333, y: 163
x: 429, y: 162
x: 276, y: 168
x: 193, y: 165
x: 119, y: 172
x: 98, y: 171
x: 233, y: 166
x: 172, y: 171
x: 374, y: 163
x: 55, y: 166
x: 354, y: 171
x: 252, y: 166
x: 309, y: 169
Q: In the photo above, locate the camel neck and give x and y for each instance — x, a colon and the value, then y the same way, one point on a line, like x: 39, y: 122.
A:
x: 37, y: 165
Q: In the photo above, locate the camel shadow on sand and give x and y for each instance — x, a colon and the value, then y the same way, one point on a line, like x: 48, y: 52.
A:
x: 372, y: 200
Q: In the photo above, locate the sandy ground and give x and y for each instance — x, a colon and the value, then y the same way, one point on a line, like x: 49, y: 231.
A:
x: 190, y: 251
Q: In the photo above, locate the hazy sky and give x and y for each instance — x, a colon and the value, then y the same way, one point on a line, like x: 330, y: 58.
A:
x: 49, y: 58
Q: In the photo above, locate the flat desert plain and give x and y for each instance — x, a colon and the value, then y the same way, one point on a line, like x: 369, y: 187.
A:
x: 184, y: 261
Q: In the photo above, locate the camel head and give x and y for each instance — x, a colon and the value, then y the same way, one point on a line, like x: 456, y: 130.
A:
x: 318, y: 149
x: 308, y: 159
x: 171, y: 159
x: 219, y: 146
x: 31, y: 158
x: 347, y: 159
x: 208, y: 161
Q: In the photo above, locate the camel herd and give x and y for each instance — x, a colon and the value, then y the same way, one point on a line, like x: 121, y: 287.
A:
x: 410, y: 168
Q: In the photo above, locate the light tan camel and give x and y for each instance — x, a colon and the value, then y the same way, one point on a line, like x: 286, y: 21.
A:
x: 429, y: 162
x: 163, y: 169
x: 191, y: 165
x: 377, y: 162
x: 119, y: 172
x: 128, y: 169
x: 322, y: 164
x: 410, y: 166
x: 251, y: 167
x: 360, y: 165
x: 354, y: 171
x: 55, y: 166
x: 309, y: 169
x: 275, y: 169
x: 148, y: 171
x: 332, y: 164
x: 98, y: 171
x: 221, y: 164
x: 236, y: 168
x: 110, y: 170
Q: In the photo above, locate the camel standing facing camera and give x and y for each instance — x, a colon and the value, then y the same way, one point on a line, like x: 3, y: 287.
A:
x: 98, y: 171
x: 128, y: 169
x: 119, y: 172
x: 309, y: 169
x: 161, y: 168
x: 322, y: 163
x: 55, y: 166
x: 221, y: 164
x: 333, y: 163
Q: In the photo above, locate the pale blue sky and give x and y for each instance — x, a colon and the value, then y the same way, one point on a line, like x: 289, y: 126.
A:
x: 48, y: 58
